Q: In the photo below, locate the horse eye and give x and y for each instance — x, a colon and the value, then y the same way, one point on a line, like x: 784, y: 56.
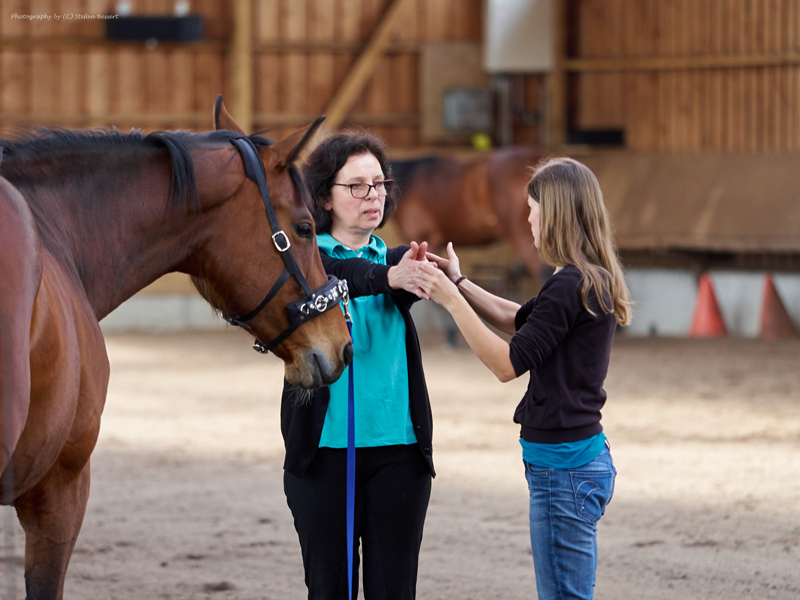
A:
x: 304, y: 230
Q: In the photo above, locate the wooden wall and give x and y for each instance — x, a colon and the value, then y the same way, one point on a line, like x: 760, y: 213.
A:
x: 63, y: 72
x: 674, y: 75
x: 687, y: 75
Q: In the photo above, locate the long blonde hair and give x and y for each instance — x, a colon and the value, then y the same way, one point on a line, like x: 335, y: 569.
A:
x: 576, y: 230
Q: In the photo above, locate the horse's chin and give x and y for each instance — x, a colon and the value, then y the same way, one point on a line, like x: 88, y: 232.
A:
x: 314, y: 368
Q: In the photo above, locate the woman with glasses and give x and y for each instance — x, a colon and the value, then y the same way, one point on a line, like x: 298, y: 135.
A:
x: 562, y: 337
x: 350, y: 183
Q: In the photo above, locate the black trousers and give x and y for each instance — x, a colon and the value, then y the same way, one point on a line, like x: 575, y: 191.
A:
x: 393, y: 487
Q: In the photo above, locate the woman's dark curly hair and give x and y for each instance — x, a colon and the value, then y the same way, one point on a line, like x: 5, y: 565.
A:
x: 327, y: 159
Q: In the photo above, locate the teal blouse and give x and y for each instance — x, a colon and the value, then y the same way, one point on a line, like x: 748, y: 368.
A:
x: 382, y: 410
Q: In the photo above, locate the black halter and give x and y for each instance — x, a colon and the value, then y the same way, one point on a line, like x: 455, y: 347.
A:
x: 314, y: 303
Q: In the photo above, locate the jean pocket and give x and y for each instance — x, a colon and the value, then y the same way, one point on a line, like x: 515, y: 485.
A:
x: 593, y: 491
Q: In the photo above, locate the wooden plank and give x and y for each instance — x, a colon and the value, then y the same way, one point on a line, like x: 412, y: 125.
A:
x: 379, y: 90
x: 73, y: 76
x: 335, y: 46
x: 208, y: 83
x: 666, y: 39
x: 408, y: 28
x: 44, y: 83
x: 642, y: 110
x: 241, y: 74
x: 295, y: 83
x: 217, y: 16
x: 267, y: 85
x: 437, y: 20
x: 293, y: 20
x: 794, y: 81
x: 291, y: 121
x: 681, y: 63
x: 321, y: 21
x: 348, y: 23
x: 157, y: 87
x: 321, y: 83
x: 180, y: 65
x: 371, y: 11
x: 557, y: 80
x: 14, y: 91
x: 697, y: 125
x: 267, y: 20
x: 362, y: 70
x: 144, y: 120
x: 718, y: 108
x: 97, y: 85
x: 132, y: 83
x: 69, y: 28
x: 11, y: 25
x: 405, y: 84
x: 792, y: 98
x: 466, y: 20
x: 41, y: 28
x: 782, y: 108
x: 95, y: 28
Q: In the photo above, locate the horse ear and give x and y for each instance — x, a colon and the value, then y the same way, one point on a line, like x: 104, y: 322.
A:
x: 290, y: 147
x: 223, y: 119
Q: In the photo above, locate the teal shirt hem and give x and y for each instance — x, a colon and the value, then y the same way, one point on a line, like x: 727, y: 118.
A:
x: 570, y: 455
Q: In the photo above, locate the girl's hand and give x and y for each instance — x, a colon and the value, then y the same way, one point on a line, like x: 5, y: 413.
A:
x: 403, y: 275
x: 449, y: 265
x: 435, y: 283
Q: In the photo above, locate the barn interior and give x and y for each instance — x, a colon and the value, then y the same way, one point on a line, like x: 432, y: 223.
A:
x: 687, y: 111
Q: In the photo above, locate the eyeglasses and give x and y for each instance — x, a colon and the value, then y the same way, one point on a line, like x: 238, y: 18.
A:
x: 362, y: 190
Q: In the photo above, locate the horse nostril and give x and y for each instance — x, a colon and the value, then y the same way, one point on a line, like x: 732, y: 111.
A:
x: 347, y: 353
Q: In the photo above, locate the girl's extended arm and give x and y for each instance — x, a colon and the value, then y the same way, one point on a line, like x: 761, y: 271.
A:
x: 491, y: 349
x: 498, y: 312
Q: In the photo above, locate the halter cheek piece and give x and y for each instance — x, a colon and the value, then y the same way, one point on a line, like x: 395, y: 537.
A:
x: 314, y: 303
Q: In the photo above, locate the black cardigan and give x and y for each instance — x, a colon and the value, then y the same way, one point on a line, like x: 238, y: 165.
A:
x: 301, y: 422
x: 567, y: 351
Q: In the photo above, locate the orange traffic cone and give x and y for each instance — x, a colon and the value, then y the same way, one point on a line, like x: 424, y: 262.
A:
x: 707, y: 320
x: 776, y: 324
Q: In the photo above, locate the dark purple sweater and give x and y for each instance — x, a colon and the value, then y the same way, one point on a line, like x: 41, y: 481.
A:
x: 567, y: 351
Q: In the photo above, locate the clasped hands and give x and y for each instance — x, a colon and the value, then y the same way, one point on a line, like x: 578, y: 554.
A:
x: 427, y: 275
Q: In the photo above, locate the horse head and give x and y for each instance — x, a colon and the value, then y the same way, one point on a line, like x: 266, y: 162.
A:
x: 247, y: 273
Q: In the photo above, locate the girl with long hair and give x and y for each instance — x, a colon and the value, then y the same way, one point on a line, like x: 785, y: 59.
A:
x: 562, y: 337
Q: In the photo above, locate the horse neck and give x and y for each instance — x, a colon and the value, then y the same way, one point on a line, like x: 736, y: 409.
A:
x: 118, y: 232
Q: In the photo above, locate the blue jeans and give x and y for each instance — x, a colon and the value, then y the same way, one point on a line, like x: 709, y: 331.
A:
x: 565, y: 506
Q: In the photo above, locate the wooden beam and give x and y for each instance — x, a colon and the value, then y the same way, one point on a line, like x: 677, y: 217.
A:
x: 74, y: 43
x: 680, y: 63
x: 282, y: 119
x: 557, y: 79
x: 335, y: 46
x: 138, y: 119
x: 361, y: 72
x: 242, y: 65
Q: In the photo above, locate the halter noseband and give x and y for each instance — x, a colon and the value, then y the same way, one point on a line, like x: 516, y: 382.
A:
x: 314, y: 303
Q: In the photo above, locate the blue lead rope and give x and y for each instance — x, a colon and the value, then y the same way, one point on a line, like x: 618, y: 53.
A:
x: 351, y: 458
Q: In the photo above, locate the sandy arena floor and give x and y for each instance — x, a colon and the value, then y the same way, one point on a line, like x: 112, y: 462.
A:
x: 187, y: 498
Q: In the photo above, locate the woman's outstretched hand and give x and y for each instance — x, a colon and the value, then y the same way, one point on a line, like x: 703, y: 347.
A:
x: 403, y: 275
x: 449, y: 265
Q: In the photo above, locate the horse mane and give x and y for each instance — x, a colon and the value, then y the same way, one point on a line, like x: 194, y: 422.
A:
x: 39, y: 143
x: 403, y: 171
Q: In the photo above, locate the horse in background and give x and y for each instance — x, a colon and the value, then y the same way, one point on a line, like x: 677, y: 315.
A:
x: 87, y: 219
x: 469, y: 202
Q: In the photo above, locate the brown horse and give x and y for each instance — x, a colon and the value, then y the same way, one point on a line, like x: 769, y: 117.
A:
x: 88, y: 218
x: 469, y: 203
